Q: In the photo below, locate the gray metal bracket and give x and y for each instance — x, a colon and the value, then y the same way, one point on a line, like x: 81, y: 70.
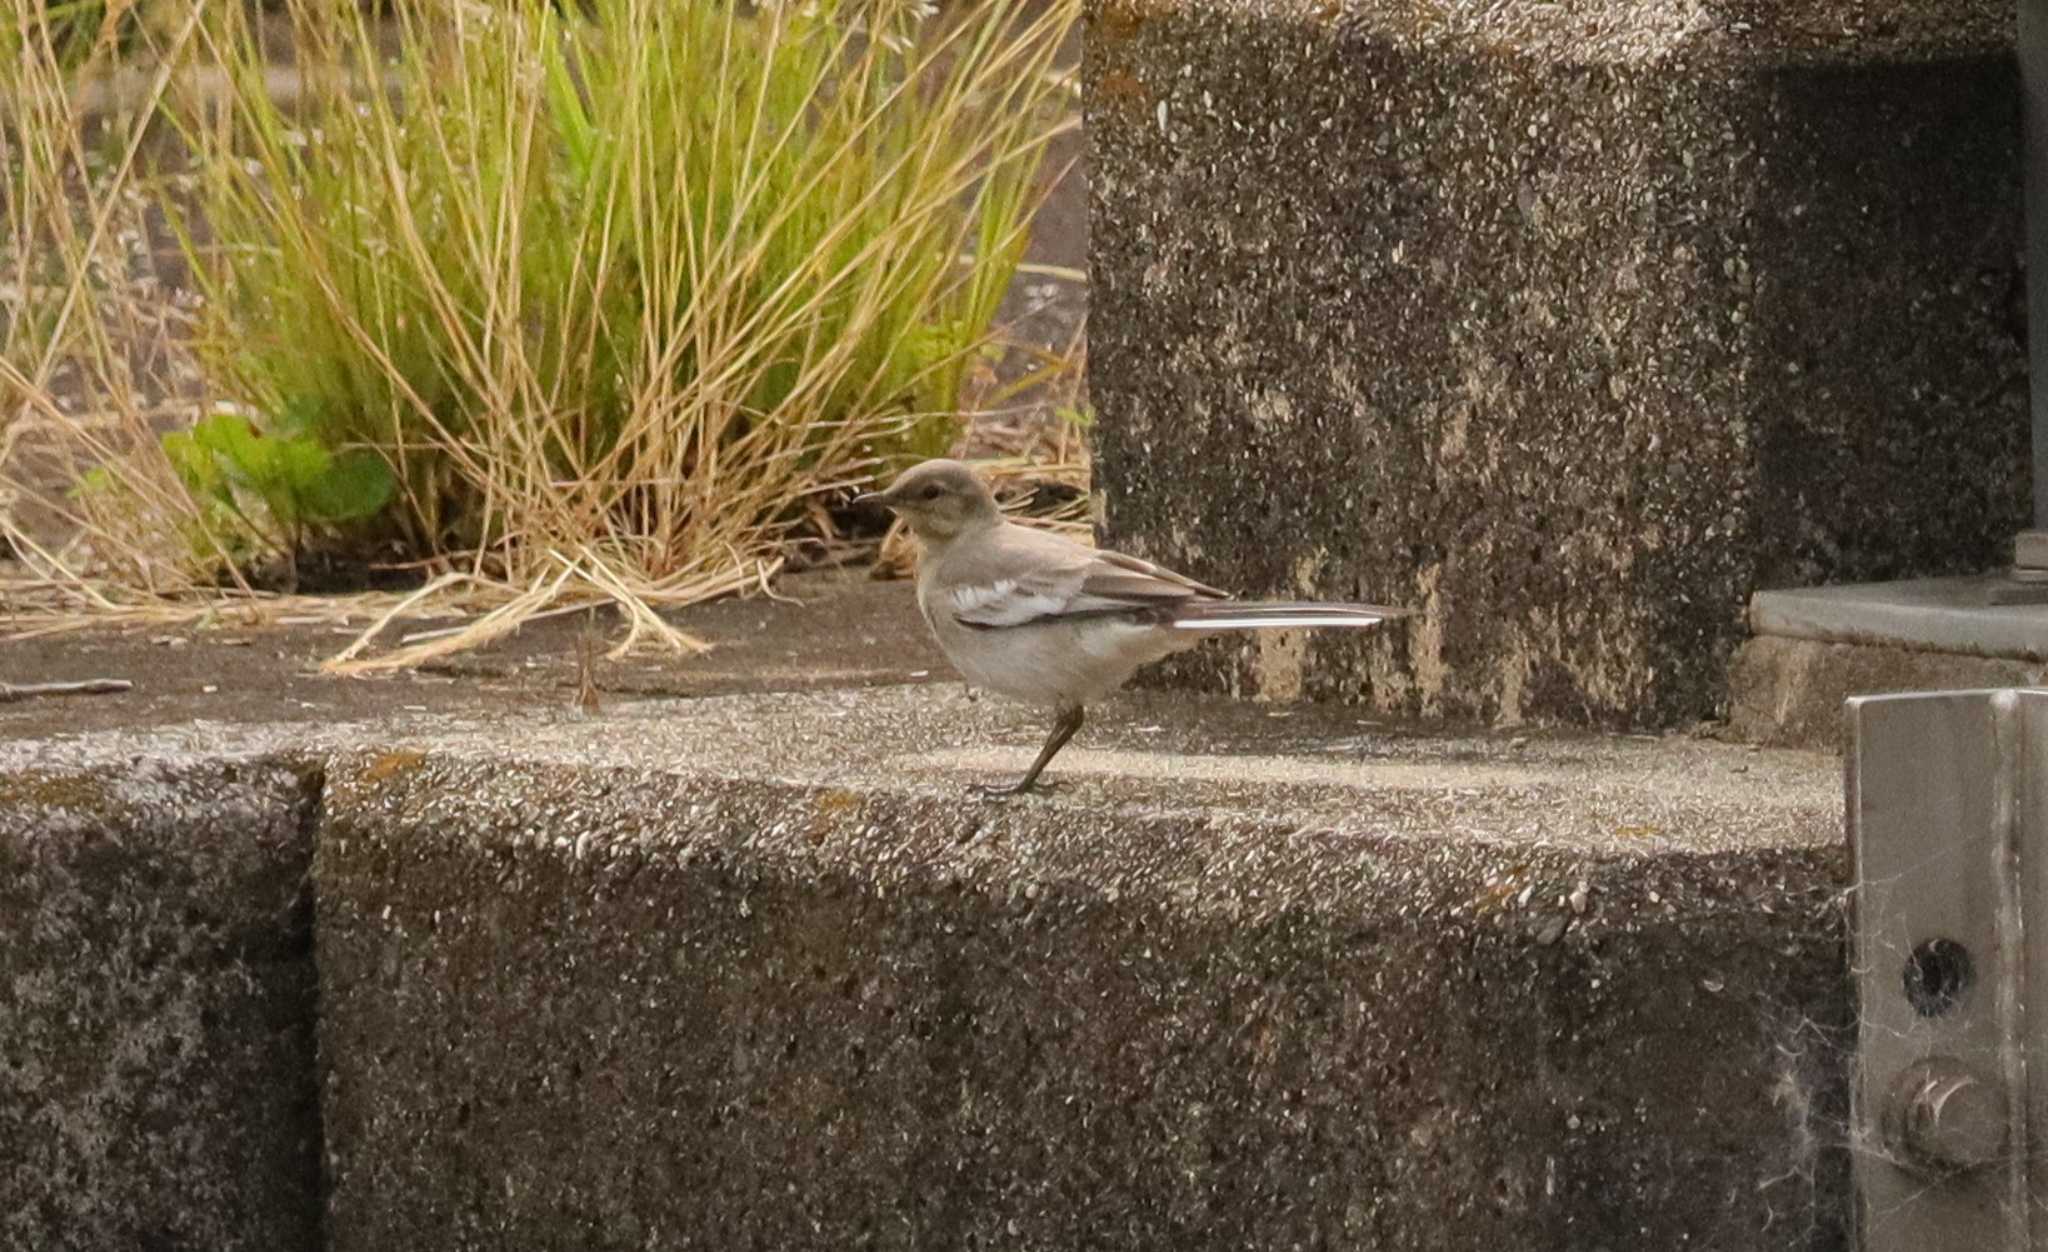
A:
x: 1948, y: 819
x: 2028, y: 580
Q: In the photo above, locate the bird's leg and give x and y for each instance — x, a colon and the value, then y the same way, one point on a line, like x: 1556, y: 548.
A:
x: 1062, y: 730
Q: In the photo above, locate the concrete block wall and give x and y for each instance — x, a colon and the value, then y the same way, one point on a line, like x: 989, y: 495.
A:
x: 157, y: 1082
x: 599, y: 1011
x: 1569, y: 324
x: 600, y: 984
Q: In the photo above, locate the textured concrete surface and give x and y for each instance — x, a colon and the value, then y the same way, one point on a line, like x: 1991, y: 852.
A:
x: 744, y: 969
x: 157, y: 1084
x: 1815, y: 648
x: 1570, y: 324
x: 1929, y: 614
x: 1262, y: 982
x: 1788, y: 692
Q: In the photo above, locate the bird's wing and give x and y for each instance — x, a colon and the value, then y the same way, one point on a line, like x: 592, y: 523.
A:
x: 1020, y: 577
x: 1133, y: 576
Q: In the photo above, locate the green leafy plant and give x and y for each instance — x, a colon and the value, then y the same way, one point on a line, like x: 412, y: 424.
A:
x: 610, y: 290
x: 618, y: 283
x: 276, y: 485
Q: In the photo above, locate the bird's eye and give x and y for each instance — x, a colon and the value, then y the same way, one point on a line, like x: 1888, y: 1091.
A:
x: 929, y: 493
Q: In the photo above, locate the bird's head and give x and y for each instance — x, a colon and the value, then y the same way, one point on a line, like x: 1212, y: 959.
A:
x: 939, y: 499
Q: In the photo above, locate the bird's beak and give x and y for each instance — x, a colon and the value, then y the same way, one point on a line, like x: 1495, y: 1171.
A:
x: 871, y: 499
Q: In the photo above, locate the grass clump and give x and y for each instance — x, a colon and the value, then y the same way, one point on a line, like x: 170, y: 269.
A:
x: 562, y: 303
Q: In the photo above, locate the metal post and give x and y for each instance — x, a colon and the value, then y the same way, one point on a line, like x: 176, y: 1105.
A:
x: 2031, y: 549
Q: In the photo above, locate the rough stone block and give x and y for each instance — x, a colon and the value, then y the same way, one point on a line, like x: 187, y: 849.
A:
x: 157, y: 1081
x: 1572, y: 324
x: 1789, y: 692
x: 1387, y: 994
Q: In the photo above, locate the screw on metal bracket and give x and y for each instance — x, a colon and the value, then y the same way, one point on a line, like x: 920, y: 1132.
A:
x: 1948, y: 820
x: 1942, y: 1117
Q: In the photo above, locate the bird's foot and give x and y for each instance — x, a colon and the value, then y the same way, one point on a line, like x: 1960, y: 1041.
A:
x: 995, y: 794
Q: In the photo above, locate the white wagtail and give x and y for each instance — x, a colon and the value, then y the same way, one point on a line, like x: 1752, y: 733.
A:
x: 1041, y: 619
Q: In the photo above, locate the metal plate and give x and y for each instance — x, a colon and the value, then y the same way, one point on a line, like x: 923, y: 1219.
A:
x: 2033, y: 58
x: 1941, y: 790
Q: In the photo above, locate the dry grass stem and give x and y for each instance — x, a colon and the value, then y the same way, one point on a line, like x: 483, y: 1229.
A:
x: 589, y: 305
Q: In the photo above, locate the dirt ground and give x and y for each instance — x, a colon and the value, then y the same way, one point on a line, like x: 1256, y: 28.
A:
x: 832, y: 629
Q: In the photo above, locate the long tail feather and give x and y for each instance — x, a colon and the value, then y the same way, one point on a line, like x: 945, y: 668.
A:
x: 1280, y: 614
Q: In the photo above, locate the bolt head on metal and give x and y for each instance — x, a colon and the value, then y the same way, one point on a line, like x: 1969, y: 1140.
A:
x: 1944, y: 1118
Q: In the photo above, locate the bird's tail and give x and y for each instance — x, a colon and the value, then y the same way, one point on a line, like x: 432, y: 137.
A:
x: 1279, y: 614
